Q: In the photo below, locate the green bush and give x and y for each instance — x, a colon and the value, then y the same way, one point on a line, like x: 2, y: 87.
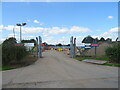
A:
x: 113, y: 53
x: 20, y: 52
x: 10, y: 52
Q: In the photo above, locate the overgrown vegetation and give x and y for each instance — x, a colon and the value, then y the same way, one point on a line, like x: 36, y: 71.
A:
x: 11, y: 52
x: 96, y: 58
x: 28, y: 60
x: 113, y: 53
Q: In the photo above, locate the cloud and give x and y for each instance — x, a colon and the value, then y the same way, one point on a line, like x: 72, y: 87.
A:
x: 32, y: 30
x: 1, y: 40
x: 57, y: 30
x: 73, y: 29
x: 18, y: 37
x: 12, y: 35
x: 64, y: 40
x: 25, y: 30
x: 36, y: 21
x: 26, y: 37
x: 48, y: 31
x: 1, y: 27
x: 110, y: 17
x: 115, y: 30
x: 50, y: 40
x: 28, y: 20
x: 76, y: 29
x: 45, y: 35
x: 79, y: 40
x: 11, y: 27
x: 112, y: 33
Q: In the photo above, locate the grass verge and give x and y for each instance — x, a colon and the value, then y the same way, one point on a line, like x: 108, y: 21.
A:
x: 111, y: 64
x: 6, y: 68
x: 99, y: 58
x: 95, y: 58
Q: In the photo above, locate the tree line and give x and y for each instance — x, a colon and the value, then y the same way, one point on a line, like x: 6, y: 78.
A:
x: 90, y: 39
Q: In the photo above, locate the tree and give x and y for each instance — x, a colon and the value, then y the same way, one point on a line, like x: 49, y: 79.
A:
x: 11, y: 40
x: 117, y: 39
x: 68, y: 45
x: 59, y: 44
x: 102, y: 39
x: 45, y: 43
x: 108, y: 40
x: 29, y: 41
x: 10, y: 52
x: 96, y: 40
x: 88, y: 39
x: 113, y: 53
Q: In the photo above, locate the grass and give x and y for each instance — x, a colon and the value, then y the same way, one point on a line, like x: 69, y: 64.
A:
x: 6, y: 68
x: 98, y: 58
x: 111, y: 64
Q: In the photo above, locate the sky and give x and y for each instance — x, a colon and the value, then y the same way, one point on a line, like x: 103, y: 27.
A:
x: 56, y: 22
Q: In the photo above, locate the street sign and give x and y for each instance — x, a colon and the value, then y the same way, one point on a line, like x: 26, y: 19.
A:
x: 19, y: 44
x: 87, y: 45
x: 82, y: 47
x: 94, y: 45
x: 29, y: 44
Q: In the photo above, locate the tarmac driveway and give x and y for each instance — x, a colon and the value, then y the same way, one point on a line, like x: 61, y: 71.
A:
x: 57, y: 70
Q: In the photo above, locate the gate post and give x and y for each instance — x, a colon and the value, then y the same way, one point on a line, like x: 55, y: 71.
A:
x: 40, y: 47
x: 37, y: 46
x: 71, y: 47
x: 74, y: 47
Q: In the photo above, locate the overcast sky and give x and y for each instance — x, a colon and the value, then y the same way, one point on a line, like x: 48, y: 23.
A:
x: 57, y: 22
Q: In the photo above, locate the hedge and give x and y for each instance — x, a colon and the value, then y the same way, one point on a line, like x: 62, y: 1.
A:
x: 113, y: 53
x: 10, y: 52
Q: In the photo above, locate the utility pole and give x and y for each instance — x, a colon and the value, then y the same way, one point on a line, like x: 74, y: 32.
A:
x: 14, y: 31
x: 20, y: 34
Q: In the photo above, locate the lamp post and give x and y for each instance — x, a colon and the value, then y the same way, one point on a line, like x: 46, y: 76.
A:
x: 23, y: 24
